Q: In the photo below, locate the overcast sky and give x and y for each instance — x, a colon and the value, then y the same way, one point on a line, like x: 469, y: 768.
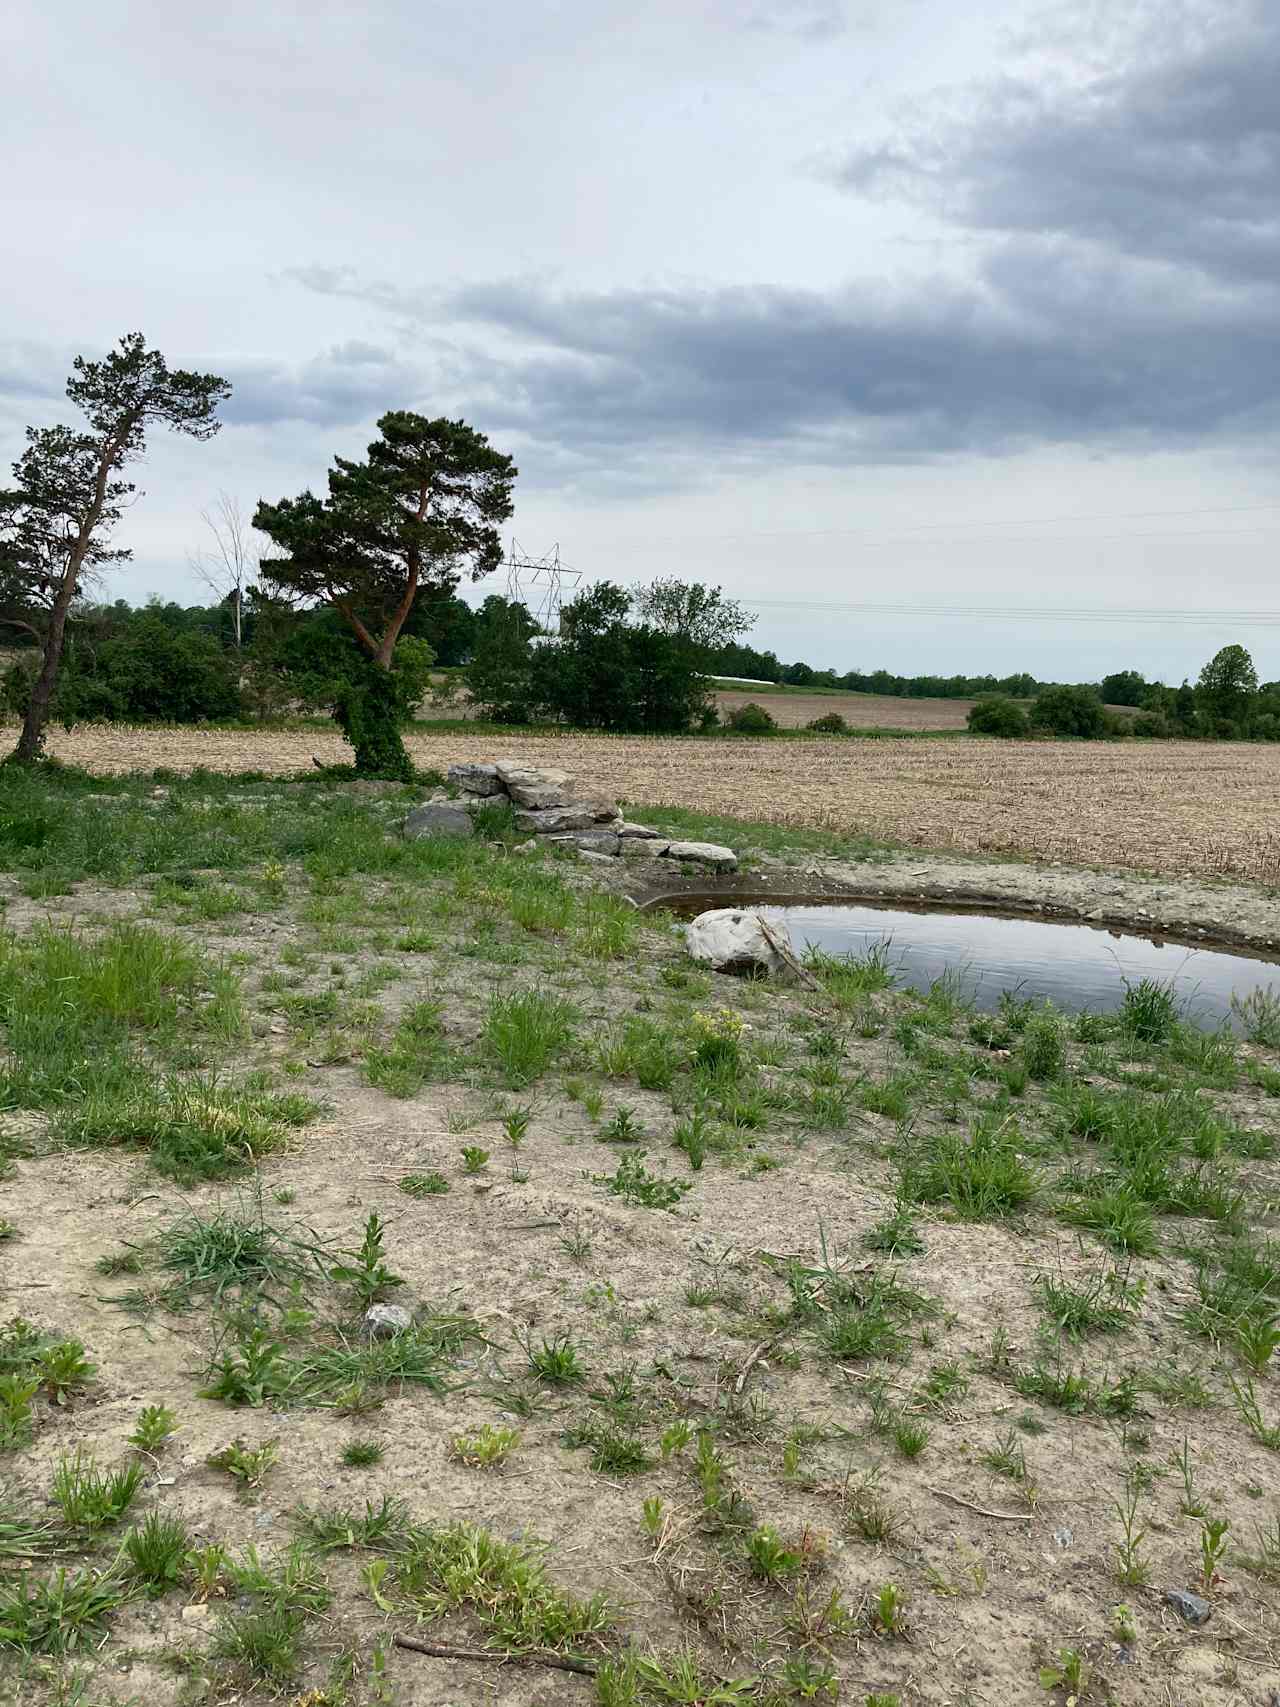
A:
x: 885, y: 303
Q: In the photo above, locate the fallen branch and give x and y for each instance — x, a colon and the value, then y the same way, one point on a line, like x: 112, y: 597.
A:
x: 440, y: 1651
x: 1004, y: 1516
x: 786, y: 954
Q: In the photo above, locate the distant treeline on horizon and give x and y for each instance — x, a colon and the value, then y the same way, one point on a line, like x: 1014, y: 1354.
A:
x: 450, y: 625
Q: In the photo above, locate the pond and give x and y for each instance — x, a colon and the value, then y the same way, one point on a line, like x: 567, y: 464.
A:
x: 1074, y: 966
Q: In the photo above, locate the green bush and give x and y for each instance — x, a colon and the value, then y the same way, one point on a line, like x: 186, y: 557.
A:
x: 1070, y: 712
x: 751, y: 719
x: 997, y: 715
x: 831, y: 724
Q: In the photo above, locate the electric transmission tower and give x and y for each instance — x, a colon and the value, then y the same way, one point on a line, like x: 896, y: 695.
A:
x: 538, y: 584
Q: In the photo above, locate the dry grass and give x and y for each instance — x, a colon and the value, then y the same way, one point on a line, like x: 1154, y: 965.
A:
x: 1170, y: 807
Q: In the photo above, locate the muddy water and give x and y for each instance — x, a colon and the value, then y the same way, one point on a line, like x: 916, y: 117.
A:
x: 1074, y: 966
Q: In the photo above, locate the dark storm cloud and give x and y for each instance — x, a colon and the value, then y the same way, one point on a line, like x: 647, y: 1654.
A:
x: 1120, y: 230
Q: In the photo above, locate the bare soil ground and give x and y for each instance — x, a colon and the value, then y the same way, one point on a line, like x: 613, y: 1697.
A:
x: 820, y: 1371
x: 859, y: 710
x: 1167, y: 807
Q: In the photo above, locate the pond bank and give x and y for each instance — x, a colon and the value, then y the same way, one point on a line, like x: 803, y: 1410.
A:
x: 1200, y: 912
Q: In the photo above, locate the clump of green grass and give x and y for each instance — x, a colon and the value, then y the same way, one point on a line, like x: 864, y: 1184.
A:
x: 1106, y: 1303
x: 459, y: 1567
x: 92, y: 1499
x: 64, y: 1613
x: 193, y: 1130
x: 424, y: 1185
x: 525, y: 1032
x: 233, y: 1253
x: 156, y: 1553
x: 1149, y: 1012
x: 419, y: 1052
x: 362, y: 1454
x: 983, y: 1174
x: 77, y: 1013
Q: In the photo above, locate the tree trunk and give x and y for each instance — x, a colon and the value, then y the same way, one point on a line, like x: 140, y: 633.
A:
x: 31, y: 741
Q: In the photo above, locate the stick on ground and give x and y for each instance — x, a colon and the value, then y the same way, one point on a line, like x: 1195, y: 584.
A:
x: 441, y: 1651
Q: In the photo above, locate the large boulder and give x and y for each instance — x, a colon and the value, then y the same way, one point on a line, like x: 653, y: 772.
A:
x: 565, y: 820
x: 731, y: 939
x: 443, y: 818
x: 704, y: 853
x: 476, y: 779
x: 529, y: 785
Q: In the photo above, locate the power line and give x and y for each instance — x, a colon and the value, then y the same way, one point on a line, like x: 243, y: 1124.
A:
x: 1033, y: 613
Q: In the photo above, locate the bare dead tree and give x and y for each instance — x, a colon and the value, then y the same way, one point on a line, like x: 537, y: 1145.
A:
x: 232, y: 562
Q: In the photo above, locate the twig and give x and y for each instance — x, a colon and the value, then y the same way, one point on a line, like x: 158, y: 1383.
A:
x: 787, y: 954
x: 1004, y: 1516
x: 753, y: 1357
x: 439, y: 1651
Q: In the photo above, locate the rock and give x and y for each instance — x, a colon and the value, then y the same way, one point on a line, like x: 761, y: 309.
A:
x: 631, y: 847
x: 531, y: 846
x: 438, y: 819
x: 601, y: 842
x: 598, y: 858
x: 704, y: 853
x: 566, y: 820
x: 476, y: 779
x: 1189, y: 1607
x: 637, y: 832
x: 727, y: 939
x: 385, y: 1321
x: 528, y: 785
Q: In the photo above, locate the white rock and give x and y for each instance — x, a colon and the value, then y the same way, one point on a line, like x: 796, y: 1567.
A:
x: 637, y: 832
x: 529, y: 785
x: 704, y: 853
x: 385, y: 1321
x: 729, y: 939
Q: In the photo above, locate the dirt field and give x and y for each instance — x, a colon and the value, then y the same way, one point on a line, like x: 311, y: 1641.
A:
x: 825, y: 1334
x: 860, y: 711
x: 1169, y: 807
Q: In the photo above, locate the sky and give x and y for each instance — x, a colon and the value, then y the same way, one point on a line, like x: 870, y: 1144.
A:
x: 945, y: 336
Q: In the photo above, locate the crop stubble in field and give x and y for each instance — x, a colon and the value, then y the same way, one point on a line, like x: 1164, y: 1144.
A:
x: 1170, y: 807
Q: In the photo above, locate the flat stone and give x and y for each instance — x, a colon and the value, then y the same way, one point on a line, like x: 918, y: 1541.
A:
x: 565, y: 820
x: 631, y: 847
x: 438, y: 819
x: 1189, y: 1607
x: 385, y: 1321
x: 476, y: 779
x: 531, y: 785
x: 638, y: 832
x: 591, y: 843
x: 704, y: 853
x: 599, y: 858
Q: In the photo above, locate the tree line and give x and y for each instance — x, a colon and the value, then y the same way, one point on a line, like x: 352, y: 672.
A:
x: 1227, y: 703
